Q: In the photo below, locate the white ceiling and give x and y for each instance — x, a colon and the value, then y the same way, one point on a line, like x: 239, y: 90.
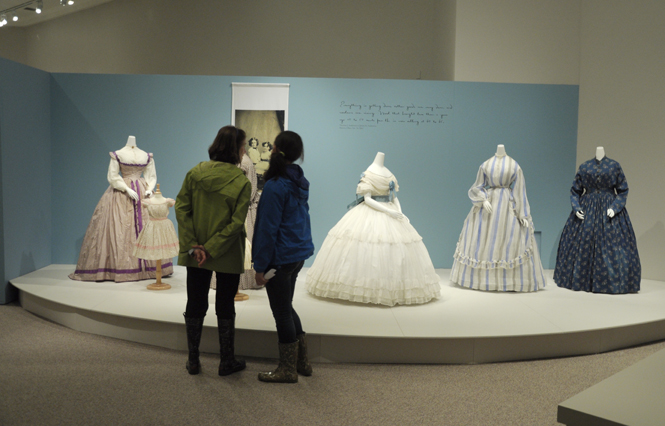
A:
x: 51, y: 9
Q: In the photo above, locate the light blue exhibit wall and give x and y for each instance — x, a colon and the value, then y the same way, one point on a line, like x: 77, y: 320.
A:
x: 435, y: 162
x: 25, y: 173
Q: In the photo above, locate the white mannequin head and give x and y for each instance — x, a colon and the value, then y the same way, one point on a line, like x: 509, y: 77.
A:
x: 377, y: 166
x: 600, y: 153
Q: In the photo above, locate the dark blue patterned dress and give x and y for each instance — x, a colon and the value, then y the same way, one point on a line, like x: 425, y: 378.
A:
x: 599, y: 254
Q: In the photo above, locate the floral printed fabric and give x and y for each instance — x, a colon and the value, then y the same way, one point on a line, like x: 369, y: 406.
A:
x: 599, y: 254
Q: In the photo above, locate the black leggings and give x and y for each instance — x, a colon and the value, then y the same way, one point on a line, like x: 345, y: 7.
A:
x: 198, y: 285
x: 280, y: 290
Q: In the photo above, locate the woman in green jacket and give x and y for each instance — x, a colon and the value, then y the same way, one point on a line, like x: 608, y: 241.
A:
x: 211, y: 209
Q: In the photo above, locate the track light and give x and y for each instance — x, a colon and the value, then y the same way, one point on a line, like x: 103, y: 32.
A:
x: 70, y: 2
x: 33, y: 5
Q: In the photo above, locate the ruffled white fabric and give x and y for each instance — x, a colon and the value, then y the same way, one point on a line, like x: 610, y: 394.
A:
x: 158, y: 239
x: 370, y: 257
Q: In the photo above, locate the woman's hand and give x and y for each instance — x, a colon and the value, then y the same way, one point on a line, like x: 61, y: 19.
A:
x: 132, y: 194
x: 200, y: 254
x: 260, y: 280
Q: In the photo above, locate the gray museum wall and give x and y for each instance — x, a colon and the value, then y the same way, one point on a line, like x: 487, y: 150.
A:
x: 25, y: 155
x: 290, y: 38
x: 622, y: 107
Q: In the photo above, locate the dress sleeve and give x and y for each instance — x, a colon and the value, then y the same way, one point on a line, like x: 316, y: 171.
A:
x: 170, y: 202
x: 519, y: 195
x: 477, y: 193
x: 183, y: 214
x: 150, y: 173
x: 364, y: 186
x: 113, y: 175
x: 576, y: 192
x: 621, y: 188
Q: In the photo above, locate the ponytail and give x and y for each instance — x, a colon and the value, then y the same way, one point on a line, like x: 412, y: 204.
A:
x: 289, y: 148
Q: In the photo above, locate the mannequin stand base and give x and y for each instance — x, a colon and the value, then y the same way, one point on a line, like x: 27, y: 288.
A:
x: 159, y: 286
x: 240, y: 297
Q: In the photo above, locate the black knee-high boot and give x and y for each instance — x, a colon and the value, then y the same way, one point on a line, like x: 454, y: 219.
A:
x: 194, y: 330
x: 228, y: 363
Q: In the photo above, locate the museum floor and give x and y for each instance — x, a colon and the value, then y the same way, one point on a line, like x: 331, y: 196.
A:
x: 463, y: 327
x: 53, y: 375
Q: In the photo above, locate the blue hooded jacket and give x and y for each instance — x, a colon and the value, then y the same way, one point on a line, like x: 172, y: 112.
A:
x: 282, y: 232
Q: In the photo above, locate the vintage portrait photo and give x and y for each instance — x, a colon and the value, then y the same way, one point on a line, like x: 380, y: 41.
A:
x: 261, y: 128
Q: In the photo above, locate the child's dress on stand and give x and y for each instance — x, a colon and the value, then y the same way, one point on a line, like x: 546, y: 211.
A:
x: 158, y: 239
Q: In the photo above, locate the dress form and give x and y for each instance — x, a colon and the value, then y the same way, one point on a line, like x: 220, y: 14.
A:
x: 158, y: 198
x: 377, y: 166
x: 600, y: 153
x: 117, y: 222
x: 131, y: 154
x: 500, y: 151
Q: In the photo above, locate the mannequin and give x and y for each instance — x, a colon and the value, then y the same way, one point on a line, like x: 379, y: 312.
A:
x: 600, y: 154
x: 378, y: 168
x: 157, y: 197
x: 373, y: 254
x: 131, y: 154
x: 497, y: 250
x: 597, y: 249
x: 118, y: 220
x: 158, y: 239
x: 501, y: 152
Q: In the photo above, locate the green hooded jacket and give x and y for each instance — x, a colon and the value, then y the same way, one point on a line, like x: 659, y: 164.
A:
x: 211, y: 209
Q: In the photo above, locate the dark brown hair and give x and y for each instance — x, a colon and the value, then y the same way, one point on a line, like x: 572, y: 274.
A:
x: 227, y: 144
x: 289, y: 149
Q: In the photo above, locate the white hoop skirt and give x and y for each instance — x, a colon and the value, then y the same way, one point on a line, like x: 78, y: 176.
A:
x: 370, y: 257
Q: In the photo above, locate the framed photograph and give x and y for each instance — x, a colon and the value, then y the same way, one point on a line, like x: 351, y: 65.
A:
x: 262, y: 111
x: 261, y: 128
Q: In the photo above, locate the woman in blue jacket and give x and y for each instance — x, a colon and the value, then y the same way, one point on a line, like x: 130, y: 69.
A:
x: 282, y: 241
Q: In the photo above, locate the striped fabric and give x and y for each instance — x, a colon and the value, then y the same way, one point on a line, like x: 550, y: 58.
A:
x: 495, y: 252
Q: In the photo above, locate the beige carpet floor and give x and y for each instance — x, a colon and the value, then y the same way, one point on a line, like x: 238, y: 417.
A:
x: 52, y: 375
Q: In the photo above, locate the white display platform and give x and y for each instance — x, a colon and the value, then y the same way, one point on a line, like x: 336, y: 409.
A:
x: 633, y: 397
x: 463, y: 327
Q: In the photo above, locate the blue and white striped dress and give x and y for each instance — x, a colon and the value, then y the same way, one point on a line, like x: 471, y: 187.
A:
x: 495, y: 252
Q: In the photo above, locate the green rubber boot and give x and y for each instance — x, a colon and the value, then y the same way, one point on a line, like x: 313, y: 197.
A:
x: 303, y: 366
x: 286, y: 370
x: 194, y: 328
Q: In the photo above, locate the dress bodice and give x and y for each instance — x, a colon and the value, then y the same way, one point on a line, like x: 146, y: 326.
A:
x: 500, y: 171
x: 603, y: 176
x: 376, y: 185
x: 159, y: 211
x: 131, y: 171
x: 600, y: 176
x: 501, y: 174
